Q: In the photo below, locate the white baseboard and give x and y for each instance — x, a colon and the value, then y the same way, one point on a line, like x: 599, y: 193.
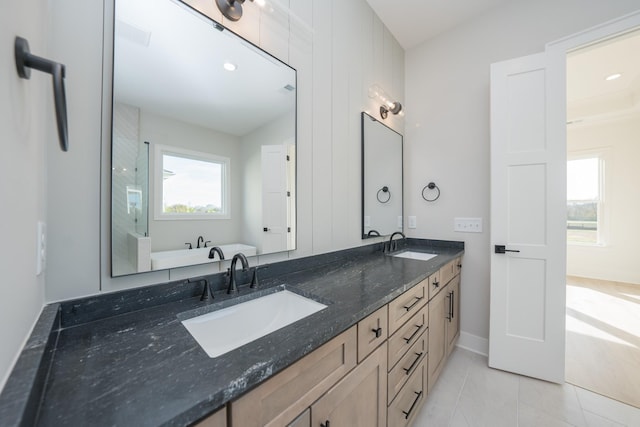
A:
x: 473, y: 343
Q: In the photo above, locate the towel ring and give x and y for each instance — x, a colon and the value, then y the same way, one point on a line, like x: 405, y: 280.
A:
x: 384, y: 190
x: 431, y: 186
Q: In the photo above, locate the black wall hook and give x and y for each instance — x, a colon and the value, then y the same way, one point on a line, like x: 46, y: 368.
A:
x: 24, y: 62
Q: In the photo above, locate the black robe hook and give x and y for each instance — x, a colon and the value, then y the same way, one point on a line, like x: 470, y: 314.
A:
x: 24, y: 62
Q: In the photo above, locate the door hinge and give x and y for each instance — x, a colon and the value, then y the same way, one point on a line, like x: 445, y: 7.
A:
x: 288, y: 158
x: 288, y: 193
x: 288, y: 229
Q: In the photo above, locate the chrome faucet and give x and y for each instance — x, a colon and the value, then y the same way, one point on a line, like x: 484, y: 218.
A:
x: 200, y: 239
x: 232, y: 289
x: 213, y: 250
x: 391, y: 246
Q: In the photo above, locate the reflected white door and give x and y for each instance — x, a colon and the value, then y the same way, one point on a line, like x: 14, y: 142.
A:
x: 275, y: 206
x: 527, y: 319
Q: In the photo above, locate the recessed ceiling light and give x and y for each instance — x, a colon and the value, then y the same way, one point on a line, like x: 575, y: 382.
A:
x: 260, y: 2
x: 613, y: 77
x: 229, y: 66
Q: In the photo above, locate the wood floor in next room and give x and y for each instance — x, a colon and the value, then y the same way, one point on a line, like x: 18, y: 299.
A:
x: 470, y: 394
x: 603, y: 338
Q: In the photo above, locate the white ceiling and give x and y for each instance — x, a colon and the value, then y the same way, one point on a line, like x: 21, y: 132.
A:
x: 168, y: 60
x: 589, y: 94
x: 415, y: 21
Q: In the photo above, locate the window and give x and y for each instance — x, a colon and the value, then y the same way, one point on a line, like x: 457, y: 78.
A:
x: 585, y: 199
x: 190, y: 185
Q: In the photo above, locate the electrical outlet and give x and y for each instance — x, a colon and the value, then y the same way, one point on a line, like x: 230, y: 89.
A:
x: 412, y: 222
x: 467, y: 225
x: 41, y: 248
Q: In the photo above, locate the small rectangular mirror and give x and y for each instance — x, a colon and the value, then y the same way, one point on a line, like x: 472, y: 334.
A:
x: 381, y: 178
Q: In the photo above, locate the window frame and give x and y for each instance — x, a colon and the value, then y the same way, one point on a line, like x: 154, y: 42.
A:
x: 602, y: 230
x: 158, y: 180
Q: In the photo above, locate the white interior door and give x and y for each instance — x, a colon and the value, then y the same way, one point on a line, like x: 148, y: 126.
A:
x: 528, y: 186
x: 274, y: 199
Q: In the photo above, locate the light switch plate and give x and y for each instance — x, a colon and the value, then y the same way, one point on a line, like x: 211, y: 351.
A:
x: 412, y: 222
x: 467, y: 225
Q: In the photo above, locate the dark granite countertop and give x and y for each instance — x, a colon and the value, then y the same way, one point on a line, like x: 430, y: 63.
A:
x: 143, y: 368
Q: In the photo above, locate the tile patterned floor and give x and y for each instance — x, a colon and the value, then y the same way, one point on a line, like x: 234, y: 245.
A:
x: 470, y: 394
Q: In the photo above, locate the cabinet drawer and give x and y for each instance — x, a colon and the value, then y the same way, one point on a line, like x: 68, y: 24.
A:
x: 403, y: 307
x: 447, y: 272
x: 280, y: 399
x: 407, y: 404
x: 400, y: 373
x: 407, y: 335
x: 372, y: 331
x: 434, y: 284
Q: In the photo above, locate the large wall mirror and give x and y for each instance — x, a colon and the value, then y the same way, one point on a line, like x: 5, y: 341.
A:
x: 381, y: 178
x: 203, y: 141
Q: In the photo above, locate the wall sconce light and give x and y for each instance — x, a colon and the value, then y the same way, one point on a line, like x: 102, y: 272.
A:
x: 376, y: 92
x: 232, y: 9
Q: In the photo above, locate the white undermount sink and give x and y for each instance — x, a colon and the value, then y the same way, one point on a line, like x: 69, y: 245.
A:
x: 422, y: 256
x: 226, y: 329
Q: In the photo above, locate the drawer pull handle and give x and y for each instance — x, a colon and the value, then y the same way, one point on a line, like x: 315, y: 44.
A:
x: 378, y: 332
x: 409, y: 307
x: 436, y: 284
x: 325, y: 424
x: 408, y: 340
x: 410, y: 368
x: 407, y: 413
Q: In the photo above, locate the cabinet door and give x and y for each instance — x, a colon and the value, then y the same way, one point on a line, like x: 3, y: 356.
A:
x: 453, y: 320
x: 359, y: 399
x: 438, y: 313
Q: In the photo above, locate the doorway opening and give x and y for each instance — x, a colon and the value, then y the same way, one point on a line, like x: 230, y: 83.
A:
x: 603, y: 206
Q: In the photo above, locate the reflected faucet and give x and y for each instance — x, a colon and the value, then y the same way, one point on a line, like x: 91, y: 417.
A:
x: 391, y: 246
x: 232, y: 289
x: 213, y: 250
x: 200, y: 239
x: 373, y: 233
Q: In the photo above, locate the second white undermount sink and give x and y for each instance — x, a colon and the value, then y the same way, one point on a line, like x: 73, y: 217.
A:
x: 422, y: 256
x: 223, y: 330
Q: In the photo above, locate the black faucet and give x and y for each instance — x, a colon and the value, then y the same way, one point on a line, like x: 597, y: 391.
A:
x: 232, y: 289
x: 213, y: 250
x: 200, y: 239
x: 207, y: 292
x: 391, y: 246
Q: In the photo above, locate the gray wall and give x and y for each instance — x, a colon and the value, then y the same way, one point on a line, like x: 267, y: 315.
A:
x: 27, y: 135
x: 348, y: 51
x: 447, y: 136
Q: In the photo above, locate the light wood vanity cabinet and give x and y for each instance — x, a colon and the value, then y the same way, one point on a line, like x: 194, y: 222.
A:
x: 444, y: 320
x: 376, y: 373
